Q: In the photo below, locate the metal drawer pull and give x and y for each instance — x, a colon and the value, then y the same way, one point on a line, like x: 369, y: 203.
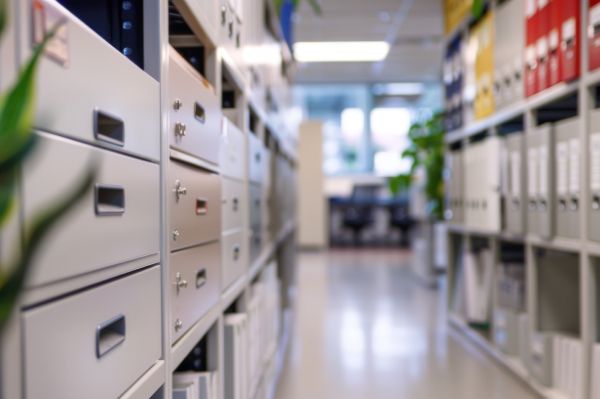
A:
x: 109, y: 128
x: 179, y: 190
x: 109, y: 335
x: 199, y: 113
x: 180, y: 129
x: 109, y: 200
x: 596, y: 202
x: 236, y: 252
x: 179, y: 283
x: 235, y: 204
x: 178, y: 325
x: 223, y: 15
x: 201, y: 206
x: 200, y: 278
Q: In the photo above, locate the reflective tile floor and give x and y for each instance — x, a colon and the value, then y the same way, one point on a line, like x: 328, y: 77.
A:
x: 365, y: 328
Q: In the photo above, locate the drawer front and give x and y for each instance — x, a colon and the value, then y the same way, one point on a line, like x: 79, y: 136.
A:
x: 234, y: 257
x: 116, y: 221
x: 232, y: 152
x: 195, y: 205
x: 195, y: 281
x: 110, y: 100
x: 97, y: 342
x: 256, y: 159
x: 194, y: 116
x: 233, y: 203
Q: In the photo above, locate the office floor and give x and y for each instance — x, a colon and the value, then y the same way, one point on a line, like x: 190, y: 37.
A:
x: 365, y: 329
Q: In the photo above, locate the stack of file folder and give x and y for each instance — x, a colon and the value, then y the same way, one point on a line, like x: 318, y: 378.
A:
x: 196, y: 385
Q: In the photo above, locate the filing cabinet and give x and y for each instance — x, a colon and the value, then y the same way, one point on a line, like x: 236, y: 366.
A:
x: 233, y: 204
x: 232, y: 151
x: 256, y: 159
x: 194, y: 204
x: 566, y: 207
x: 100, y: 111
x: 232, y: 32
x: 194, y: 113
x: 516, y: 204
x: 541, y: 361
x: 98, y: 343
x: 194, y: 284
x: 594, y: 178
x: 115, y: 222
x: 234, y: 257
x: 540, y: 181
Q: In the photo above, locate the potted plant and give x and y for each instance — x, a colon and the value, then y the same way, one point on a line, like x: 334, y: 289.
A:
x: 425, y: 182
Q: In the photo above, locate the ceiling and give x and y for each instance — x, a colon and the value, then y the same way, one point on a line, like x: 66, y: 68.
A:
x: 414, y: 29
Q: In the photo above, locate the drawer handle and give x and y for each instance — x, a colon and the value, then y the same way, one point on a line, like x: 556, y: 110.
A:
x: 236, y: 204
x: 180, y: 129
x: 199, y: 113
x: 109, y: 335
x: 201, y: 206
x: 257, y: 156
x: 109, y: 200
x: 200, y: 278
x: 574, y: 204
x: 236, y: 252
x: 179, y: 190
x: 109, y: 128
x: 223, y: 15
x: 230, y: 30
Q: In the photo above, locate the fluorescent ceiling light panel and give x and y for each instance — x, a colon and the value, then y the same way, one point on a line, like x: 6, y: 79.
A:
x: 341, y: 51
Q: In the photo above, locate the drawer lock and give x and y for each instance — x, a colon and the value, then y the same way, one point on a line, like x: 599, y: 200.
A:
x: 179, y: 190
x: 180, y: 129
x: 178, y: 325
x: 179, y: 283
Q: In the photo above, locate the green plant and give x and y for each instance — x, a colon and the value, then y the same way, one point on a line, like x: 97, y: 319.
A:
x: 426, y: 150
x: 17, y: 140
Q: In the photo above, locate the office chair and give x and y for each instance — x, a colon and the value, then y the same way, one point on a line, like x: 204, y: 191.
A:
x: 358, y: 213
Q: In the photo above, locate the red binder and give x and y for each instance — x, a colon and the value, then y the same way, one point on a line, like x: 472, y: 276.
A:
x: 570, y: 39
x: 543, y: 28
x: 530, y: 55
x: 554, y: 66
x: 594, y: 34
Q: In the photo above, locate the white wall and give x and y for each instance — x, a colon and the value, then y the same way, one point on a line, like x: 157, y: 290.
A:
x: 312, y: 203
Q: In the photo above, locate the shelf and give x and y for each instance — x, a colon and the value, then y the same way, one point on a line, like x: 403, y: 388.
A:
x: 189, y: 340
x: 499, y: 117
x: 592, y: 78
x: 559, y: 244
x: 509, y: 363
x: 148, y: 384
x: 233, y: 291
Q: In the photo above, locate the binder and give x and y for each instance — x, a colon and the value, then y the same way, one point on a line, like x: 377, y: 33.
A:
x: 570, y: 39
x: 554, y: 66
x: 567, y: 178
x: 515, y: 205
x: 594, y: 35
x: 594, y: 176
x: 541, y: 44
x: 531, y: 36
x: 540, y: 170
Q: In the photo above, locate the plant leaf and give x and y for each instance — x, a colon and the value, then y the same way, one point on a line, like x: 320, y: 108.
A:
x: 17, y: 108
x: 316, y: 6
x: 7, y: 197
x: 12, y: 283
x: 3, y: 16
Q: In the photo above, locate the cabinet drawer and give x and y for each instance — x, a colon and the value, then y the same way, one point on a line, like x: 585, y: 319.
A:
x: 195, y: 285
x: 94, y: 344
x: 234, y: 257
x: 234, y: 202
x: 116, y: 221
x: 232, y: 152
x: 195, y: 205
x: 256, y: 159
x: 110, y: 100
x: 194, y: 116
